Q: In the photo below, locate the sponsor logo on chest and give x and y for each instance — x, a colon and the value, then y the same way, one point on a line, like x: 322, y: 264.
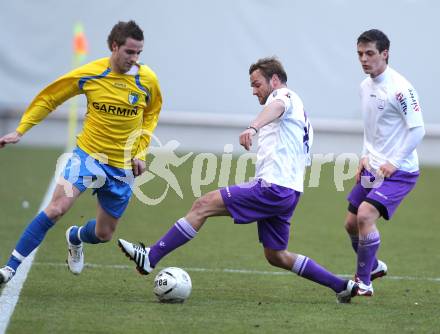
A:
x: 115, y: 110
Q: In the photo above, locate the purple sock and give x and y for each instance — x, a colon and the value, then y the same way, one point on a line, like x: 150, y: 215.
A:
x: 355, y: 245
x: 309, y: 269
x: 354, y: 242
x: 180, y: 233
x: 368, y: 246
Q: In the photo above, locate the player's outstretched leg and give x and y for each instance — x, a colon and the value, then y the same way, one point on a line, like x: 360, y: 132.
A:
x: 307, y: 268
x: 146, y: 258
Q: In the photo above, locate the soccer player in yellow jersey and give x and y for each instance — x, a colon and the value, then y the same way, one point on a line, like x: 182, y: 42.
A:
x: 123, y: 105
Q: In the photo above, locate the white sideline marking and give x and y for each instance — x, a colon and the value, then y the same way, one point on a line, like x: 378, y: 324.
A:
x: 233, y: 271
x: 11, y: 292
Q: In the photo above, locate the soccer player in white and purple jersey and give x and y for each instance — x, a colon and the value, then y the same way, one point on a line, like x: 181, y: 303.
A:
x: 388, y: 170
x: 285, y: 137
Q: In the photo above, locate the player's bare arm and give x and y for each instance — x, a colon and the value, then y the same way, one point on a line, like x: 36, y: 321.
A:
x: 270, y: 113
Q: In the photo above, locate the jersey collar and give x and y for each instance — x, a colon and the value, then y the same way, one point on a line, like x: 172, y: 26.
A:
x: 381, y: 77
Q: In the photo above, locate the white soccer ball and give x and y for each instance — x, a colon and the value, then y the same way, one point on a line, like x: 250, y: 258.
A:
x: 172, y: 285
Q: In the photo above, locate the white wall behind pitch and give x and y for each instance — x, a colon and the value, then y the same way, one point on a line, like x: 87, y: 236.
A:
x: 201, y: 50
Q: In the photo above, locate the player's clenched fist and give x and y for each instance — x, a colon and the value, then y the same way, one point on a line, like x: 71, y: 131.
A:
x: 246, y: 138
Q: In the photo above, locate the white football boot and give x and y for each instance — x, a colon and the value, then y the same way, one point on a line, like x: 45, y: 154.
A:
x: 75, y: 255
x: 6, y: 274
x: 380, y: 271
x: 350, y: 291
x: 138, y: 254
x: 365, y: 290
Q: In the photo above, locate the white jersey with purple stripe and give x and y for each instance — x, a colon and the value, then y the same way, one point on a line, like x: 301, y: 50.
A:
x: 284, y: 144
x: 390, y: 107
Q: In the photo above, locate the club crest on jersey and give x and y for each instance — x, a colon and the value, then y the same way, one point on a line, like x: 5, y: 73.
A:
x: 380, y: 104
x: 133, y: 97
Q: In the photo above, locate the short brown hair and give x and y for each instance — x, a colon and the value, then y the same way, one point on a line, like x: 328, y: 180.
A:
x: 268, y: 67
x: 375, y: 36
x: 123, y: 30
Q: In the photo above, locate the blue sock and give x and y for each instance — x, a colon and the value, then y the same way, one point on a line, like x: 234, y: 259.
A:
x: 30, y: 239
x: 73, y: 236
x: 87, y: 234
x: 14, y: 262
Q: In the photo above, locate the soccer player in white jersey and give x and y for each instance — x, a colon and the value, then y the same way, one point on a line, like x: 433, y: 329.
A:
x: 388, y: 169
x: 285, y: 136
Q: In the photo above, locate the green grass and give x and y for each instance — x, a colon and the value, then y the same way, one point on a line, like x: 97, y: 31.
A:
x: 108, y: 299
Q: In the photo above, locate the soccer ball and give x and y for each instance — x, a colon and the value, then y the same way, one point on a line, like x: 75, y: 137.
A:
x: 172, y: 285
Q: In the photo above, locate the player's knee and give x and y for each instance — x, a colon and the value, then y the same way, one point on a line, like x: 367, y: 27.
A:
x: 365, y: 218
x: 201, y: 206
x: 55, y: 211
x: 273, y: 261
x: 270, y: 258
x: 273, y: 257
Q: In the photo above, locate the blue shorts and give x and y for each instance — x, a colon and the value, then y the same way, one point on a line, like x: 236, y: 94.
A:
x: 270, y: 205
x: 111, y: 184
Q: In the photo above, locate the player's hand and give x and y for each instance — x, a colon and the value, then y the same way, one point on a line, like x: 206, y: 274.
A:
x: 10, y: 138
x: 386, y: 170
x: 363, y: 164
x: 246, y: 138
x: 139, y: 166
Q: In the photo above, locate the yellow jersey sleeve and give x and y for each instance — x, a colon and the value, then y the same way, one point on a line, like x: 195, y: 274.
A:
x: 49, y: 99
x: 122, y: 110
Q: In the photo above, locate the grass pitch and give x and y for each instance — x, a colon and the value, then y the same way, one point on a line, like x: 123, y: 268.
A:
x: 234, y: 289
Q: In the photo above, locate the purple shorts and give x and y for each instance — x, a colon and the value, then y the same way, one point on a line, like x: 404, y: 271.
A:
x: 387, y: 196
x: 270, y: 205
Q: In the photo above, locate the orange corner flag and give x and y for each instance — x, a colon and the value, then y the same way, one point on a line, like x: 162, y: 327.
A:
x: 80, y: 45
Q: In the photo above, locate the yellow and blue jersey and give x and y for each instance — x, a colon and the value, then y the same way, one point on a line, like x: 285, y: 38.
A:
x: 120, y: 107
